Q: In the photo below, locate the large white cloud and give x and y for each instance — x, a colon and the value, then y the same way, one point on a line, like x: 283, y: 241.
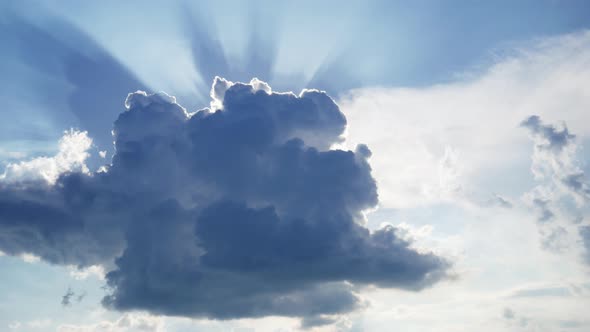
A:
x: 432, y: 144
x: 455, y: 159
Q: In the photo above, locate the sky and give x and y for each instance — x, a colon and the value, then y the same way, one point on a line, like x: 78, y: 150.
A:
x: 294, y: 166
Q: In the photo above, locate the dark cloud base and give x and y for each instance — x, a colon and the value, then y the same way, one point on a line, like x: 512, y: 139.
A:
x: 237, y: 211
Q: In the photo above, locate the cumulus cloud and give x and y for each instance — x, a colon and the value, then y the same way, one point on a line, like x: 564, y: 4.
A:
x: 73, y: 152
x: 548, y: 137
x: 554, y: 157
x: 96, y: 271
x: 555, y: 166
x: 243, y: 209
x: 501, y: 202
x: 508, y: 313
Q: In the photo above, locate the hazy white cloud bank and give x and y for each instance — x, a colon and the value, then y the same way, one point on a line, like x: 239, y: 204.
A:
x: 492, y: 165
x: 443, y: 142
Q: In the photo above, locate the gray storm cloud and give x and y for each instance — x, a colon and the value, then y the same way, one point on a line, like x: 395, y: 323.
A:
x: 238, y: 210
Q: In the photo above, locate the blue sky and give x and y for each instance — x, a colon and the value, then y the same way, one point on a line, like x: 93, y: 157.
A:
x: 435, y: 180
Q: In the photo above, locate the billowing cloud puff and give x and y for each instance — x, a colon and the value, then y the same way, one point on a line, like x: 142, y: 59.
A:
x: 240, y: 210
x: 554, y: 161
x: 73, y: 152
x: 548, y: 137
x: 554, y: 157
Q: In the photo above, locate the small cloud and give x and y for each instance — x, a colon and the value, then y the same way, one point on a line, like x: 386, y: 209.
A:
x: 555, y: 240
x: 30, y: 258
x: 576, y: 182
x: 570, y: 324
x: 563, y: 182
x: 71, y: 157
x: 39, y: 323
x: 523, y: 321
x: 584, y: 232
x: 316, y: 321
x: 508, y: 313
x: 548, y: 137
x: 81, y: 297
x: 544, y: 211
x: 66, y: 299
x: 14, y: 325
x: 5, y: 154
x: 512, y: 318
x: 554, y: 158
x: 83, y: 273
x: 500, y: 201
x: 129, y: 321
